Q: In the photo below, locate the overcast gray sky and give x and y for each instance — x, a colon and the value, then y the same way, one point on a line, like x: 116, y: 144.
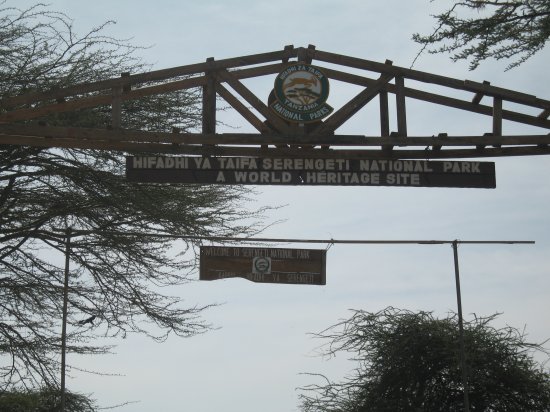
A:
x: 254, y: 361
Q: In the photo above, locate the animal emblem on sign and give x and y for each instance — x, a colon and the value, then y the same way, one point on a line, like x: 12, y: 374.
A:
x: 302, y: 90
x: 299, y: 94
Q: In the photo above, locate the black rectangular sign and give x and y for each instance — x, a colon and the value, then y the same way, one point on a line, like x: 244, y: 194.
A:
x: 264, y: 265
x: 304, y: 171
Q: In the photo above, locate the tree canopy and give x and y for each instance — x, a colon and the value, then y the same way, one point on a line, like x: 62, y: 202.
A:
x: 476, y: 30
x: 121, y: 265
x: 409, y: 361
x: 43, y: 400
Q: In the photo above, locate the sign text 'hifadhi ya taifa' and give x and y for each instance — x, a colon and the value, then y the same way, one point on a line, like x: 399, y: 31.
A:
x: 298, y: 171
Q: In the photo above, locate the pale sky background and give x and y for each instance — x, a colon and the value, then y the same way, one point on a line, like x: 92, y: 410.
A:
x: 254, y: 361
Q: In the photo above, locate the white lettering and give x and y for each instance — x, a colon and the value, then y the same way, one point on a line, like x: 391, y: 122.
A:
x: 138, y: 162
x: 181, y: 162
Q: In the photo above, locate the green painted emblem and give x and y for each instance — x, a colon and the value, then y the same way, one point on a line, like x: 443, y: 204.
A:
x: 301, y: 91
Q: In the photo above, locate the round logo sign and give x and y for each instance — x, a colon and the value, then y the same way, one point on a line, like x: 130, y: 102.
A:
x: 301, y: 91
x: 261, y: 265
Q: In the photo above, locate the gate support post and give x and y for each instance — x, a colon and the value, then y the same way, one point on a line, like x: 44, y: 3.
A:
x: 461, y: 330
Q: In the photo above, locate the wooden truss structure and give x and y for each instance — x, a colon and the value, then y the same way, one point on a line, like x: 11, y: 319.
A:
x: 20, y: 115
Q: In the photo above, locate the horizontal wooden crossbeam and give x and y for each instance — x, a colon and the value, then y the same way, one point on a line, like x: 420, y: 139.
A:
x: 224, y: 77
x: 291, y: 152
x: 247, y: 139
x: 236, y: 144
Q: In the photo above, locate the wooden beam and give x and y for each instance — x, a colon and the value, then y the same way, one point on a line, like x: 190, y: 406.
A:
x: 310, y: 53
x: 467, y: 85
x: 485, y: 89
x: 209, y: 102
x: 539, y: 121
x: 92, y: 134
x: 290, y: 50
x: 101, y: 100
x: 283, y: 55
x: 306, y: 55
x: 479, y: 95
x: 242, y: 109
x: 24, y: 114
x: 435, y: 144
x: 156, y: 75
x: 277, y: 123
x: 497, y: 116
x: 346, y: 77
x: 293, y: 152
x: 401, y: 110
x: 116, y: 108
x: 468, y: 106
x: 116, y: 105
x: 505, y: 94
x: 384, y: 114
x: 264, y: 70
x: 302, y: 55
x: 338, y: 118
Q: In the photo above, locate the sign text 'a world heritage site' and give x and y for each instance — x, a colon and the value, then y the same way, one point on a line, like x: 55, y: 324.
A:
x: 309, y: 171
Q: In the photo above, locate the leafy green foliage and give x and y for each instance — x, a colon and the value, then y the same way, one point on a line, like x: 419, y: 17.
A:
x: 410, y: 362
x: 481, y: 29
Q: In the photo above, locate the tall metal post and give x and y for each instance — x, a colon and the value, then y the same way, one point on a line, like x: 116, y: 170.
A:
x: 64, y: 322
x: 461, y: 330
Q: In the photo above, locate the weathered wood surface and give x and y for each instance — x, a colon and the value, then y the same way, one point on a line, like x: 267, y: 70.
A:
x: 475, y: 87
x: 479, y: 95
x: 400, y: 104
x: 156, y: 75
x: 497, y: 116
x: 242, y: 109
x: 213, y: 74
x: 275, y: 121
x: 533, y: 120
x: 347, y: 146
x: 209, y: 102
x: 249, y: 139
x: 290, y: 152
x: 353, y: 106
x: 284, y: 55
x: 384, y: 114
x: 106, y: 99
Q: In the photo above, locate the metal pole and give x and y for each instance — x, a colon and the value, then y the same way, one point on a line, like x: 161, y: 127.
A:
x: 64, y: 322
x: 461, y: 330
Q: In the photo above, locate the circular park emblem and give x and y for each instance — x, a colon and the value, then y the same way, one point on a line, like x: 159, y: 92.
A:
x: 261, y: 265
x: 301, y: 91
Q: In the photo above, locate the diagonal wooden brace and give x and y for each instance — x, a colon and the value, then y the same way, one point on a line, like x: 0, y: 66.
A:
x: 354, y: 105
x: 242, y: 109
x: 274, y: 121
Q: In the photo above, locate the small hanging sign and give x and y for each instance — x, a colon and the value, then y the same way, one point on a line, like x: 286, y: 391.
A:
x: 264, y: 265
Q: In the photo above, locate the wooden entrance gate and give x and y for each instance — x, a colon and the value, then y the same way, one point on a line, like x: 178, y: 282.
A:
x: 20, y: 115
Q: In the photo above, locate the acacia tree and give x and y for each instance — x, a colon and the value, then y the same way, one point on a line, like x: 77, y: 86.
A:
x: 410, y: 361
x: 44, y: 400
x: 121, y: 265
x: 479, y: 29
